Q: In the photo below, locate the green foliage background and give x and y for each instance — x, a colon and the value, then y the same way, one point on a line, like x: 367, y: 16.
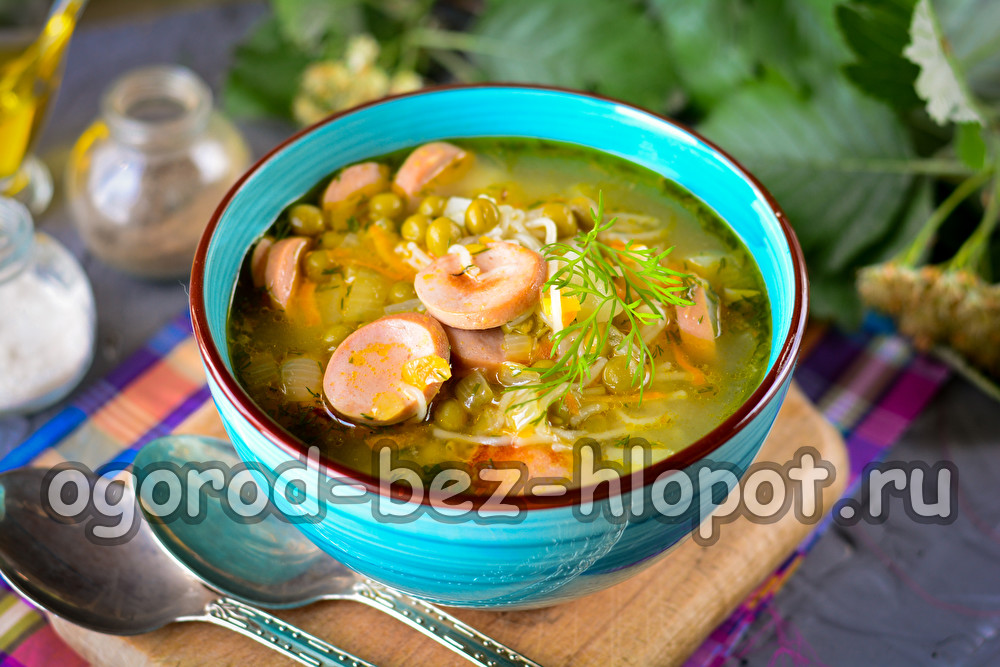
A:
x: 815, y: 97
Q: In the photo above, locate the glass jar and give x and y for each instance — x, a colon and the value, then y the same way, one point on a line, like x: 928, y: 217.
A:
x: 47, y: 329
x: 145, y: 178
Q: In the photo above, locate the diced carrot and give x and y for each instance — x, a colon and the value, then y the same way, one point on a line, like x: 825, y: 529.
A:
x: 543, y: 350
x: 697, y: 376
x: 572, y: 403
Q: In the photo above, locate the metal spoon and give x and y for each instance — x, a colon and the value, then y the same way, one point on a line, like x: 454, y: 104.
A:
x: 272, y: 564
x: 126, y: 588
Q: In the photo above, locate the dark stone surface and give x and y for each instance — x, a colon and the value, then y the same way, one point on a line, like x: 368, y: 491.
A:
x: 903, y: 593
x: 899, y: 593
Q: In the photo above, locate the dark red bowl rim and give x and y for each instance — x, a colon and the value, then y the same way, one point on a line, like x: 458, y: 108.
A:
x: 768, y: 389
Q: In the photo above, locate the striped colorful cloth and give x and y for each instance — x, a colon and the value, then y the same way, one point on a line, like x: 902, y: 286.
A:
x: 870, y: 386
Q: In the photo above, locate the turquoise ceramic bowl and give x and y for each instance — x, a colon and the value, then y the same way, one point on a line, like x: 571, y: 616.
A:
x: 549, y: 553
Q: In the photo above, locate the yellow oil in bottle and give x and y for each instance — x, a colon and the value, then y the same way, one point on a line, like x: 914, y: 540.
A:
x: 28, y: 79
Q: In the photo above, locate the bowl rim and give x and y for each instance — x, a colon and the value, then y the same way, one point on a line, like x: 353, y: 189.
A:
x: 766, y: 391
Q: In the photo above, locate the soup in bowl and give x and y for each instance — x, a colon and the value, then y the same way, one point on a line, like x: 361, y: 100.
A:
x: 504, y: 336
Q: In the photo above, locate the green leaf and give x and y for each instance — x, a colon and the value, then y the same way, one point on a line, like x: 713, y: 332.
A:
x: 918, y: 204
x: 608, y: 46
x: 970, y: 145
x: 797, y: 39
x: 264, y: 76
x: 836, y: 163
x: 697, y: 27
x: 877, y: 31
x: 318, y: 27
x: 940, y: 84
x: 971, y: 29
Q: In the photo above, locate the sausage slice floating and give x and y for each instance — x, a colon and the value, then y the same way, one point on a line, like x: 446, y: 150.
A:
x: 281, y: 273
x: 436, y: 161
x: 258, y: 260
x: 365, y: 179
x: 476, y: 349
x: 698, y: 324
x: 509, y: 282
x: 389, y: 369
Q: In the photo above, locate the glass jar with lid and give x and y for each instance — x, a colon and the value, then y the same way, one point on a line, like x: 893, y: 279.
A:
x: 47, y: 329
x: 145, y: 178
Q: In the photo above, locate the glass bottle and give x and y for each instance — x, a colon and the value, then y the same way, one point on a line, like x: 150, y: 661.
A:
x: 30, y: 72
x: 145, y: 178
x: 47, y: 315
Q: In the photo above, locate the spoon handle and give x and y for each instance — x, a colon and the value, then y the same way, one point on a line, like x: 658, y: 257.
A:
x: 275, y: 633
x: 441, y: 626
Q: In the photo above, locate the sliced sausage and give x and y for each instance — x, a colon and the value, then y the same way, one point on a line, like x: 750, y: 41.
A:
x: 698, y: 324
x: 437, y: 161
x: 258, y: 260
x: 509, y: 282
x: 283, y: 268
x: 476, y: 349
x: 366, y: 381
x: 365, y: 179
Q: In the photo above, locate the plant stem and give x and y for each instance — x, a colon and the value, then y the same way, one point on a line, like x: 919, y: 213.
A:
x: 911, y: 255
x: 925, y: 166
x: 431, y: 38
x: 971, y: 252
x: 456, y: 64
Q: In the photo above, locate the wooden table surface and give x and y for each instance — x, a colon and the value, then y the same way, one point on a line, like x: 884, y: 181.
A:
x: 657, y: 617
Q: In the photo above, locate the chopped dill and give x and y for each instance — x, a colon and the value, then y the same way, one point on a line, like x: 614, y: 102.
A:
x: 632, y: 279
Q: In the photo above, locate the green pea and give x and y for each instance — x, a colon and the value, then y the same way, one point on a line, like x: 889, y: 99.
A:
x: 342, y: 217
x: 559, y: 414
x: 318, y: 265
x: 481, y: 216
x: 563, y: 216
x: 386, y: 205
x: 450, y: 415
x: 336, y: 334
x: 415, y: 227
x: 331, y: 240
x: 306, y: 219
x: 618, y: 375
x: 432, y: 206
x: 440, y: 235
x: 387, y: 224
x: 401, y: 291
x: 473, y: 391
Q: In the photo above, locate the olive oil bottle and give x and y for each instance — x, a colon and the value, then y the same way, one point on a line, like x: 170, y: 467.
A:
x: 29, y: 77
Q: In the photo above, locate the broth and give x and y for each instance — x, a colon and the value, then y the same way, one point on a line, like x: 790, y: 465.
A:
x: 353, y: 261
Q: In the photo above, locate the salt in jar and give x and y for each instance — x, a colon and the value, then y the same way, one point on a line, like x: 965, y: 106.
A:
x: 47, y: 315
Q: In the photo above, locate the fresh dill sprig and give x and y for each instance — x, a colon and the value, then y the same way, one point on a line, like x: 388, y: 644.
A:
x: 627, y: 281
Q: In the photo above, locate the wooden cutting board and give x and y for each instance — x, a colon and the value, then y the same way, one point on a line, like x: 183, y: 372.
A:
x: 658, y: 617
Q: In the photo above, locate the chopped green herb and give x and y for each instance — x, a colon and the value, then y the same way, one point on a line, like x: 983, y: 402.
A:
x: 589, y: 269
